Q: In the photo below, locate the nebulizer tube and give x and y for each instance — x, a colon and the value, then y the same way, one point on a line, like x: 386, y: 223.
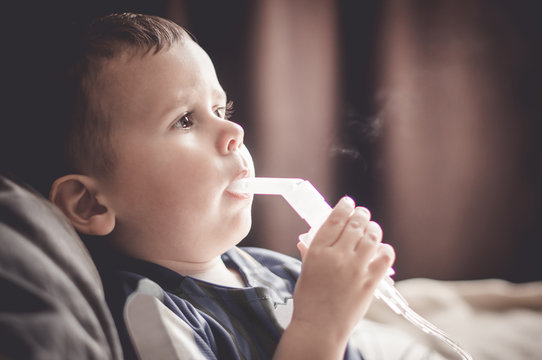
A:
x: 311, y: 206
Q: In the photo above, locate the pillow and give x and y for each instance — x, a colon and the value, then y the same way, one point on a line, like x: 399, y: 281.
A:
x: 52, y: 302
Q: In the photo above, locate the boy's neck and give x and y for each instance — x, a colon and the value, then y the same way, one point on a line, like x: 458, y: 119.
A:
x: 215, y: 272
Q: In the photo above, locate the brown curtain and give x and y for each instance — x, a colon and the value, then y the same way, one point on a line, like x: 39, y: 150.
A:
x: 457, y: 190
x: 295, y: 84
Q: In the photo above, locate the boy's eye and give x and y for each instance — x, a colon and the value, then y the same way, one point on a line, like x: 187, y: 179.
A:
x: 184, y: 122
x: 225, y: 112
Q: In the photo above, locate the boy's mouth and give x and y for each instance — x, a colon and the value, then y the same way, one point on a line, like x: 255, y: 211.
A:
x: 237, y: 191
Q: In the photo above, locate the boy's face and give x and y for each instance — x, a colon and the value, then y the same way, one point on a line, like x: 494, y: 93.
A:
x: 175, y: 155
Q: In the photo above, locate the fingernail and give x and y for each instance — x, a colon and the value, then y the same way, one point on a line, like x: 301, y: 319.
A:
x: 365, y: 210
x: 348, y: 200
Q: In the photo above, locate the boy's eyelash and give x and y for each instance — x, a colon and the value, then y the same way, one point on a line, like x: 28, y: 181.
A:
x: 228, y: 110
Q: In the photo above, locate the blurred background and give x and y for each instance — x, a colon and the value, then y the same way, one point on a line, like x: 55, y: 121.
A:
x: 426, y: 112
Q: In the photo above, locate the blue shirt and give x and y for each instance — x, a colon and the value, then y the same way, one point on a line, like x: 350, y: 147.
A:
x: 156, y: 308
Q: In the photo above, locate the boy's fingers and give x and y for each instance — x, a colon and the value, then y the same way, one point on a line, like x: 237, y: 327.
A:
x: 383, y: 260
x: 302, y: 249
x: 373, y: 233
x: 368, y: 245
x: 333, y: 226
x: 354, y: 229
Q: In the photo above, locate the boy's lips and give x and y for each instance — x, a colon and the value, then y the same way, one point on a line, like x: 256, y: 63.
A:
x: 240, y: 195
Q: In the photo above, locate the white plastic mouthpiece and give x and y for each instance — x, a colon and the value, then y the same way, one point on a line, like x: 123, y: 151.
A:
x: 302, y: 196
x: 264, y: 186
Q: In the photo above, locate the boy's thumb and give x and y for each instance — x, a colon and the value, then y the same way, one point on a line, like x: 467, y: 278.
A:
x: 301, y: 246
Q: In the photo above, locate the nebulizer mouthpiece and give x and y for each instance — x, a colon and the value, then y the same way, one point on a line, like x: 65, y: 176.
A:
x: 311, y: 206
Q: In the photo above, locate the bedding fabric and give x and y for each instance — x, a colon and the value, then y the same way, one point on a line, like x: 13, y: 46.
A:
x: 491, y: 319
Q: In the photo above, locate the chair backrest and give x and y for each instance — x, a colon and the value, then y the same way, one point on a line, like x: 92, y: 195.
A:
x: 52, y: 303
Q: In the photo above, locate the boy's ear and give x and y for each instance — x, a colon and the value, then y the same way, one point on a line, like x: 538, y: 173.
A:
x: 76, y: 196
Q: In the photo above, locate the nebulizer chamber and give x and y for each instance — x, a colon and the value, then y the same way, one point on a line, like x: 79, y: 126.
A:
x: 311, y: 206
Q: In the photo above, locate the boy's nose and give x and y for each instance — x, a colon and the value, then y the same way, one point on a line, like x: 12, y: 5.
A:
x: 231, y: 137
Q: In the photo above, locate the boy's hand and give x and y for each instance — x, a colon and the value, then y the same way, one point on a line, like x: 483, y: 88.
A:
x: 341, y: 270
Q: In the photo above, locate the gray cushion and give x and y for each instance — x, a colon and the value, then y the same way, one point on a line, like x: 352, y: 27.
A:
x: 51, y: 298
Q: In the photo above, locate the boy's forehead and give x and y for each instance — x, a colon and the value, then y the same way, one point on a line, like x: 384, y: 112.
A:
x: 131, y: 64
x: 147, y: 74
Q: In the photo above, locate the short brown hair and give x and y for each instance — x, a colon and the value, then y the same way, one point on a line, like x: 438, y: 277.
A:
x: 89, y: 148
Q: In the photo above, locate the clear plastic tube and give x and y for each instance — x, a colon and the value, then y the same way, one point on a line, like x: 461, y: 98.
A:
x: 311, y: 206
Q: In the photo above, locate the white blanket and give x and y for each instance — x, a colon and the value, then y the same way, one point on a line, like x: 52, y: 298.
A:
x: 491, y: 319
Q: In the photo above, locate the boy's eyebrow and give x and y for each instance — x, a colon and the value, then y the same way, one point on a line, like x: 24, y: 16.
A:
x: 221, y: 93
x: 173, y: 105
x: 217, y: 93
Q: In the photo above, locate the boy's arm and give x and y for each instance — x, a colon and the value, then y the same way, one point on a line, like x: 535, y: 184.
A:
x: 341, y: 270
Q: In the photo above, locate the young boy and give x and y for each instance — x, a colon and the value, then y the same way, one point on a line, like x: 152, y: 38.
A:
x: 152, y: 154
